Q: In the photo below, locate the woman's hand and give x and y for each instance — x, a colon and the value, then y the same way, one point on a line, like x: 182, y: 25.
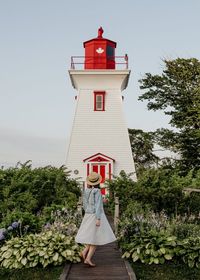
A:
x: 97, y: 223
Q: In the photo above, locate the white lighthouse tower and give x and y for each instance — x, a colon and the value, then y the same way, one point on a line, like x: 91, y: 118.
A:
x: 99, y: 138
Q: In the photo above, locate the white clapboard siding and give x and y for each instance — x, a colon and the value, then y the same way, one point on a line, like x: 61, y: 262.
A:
x: 99, y: 131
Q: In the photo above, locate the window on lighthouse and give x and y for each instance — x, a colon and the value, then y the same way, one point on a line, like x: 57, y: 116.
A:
x: 99, y: 101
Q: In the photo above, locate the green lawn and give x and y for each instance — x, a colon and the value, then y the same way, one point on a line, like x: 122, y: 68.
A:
x: 51, y: 273
x: 165, y: 272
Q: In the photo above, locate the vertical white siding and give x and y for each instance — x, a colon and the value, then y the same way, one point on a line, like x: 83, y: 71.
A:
x: 99, y: 131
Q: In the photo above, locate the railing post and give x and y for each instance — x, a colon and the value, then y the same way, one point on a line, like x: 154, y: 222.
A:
x: 116, y: 215
x: 72, y: 63
x: 79, y: 206
x: 80, y: 200
x: 126, y: 60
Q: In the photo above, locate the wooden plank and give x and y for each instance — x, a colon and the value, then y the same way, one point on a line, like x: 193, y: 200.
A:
x: 109, y: 265
x: 189, y: 190
x: 99, y: 276
x: 65, y: 272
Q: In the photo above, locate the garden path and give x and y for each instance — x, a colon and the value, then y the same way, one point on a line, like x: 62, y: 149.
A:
x: 109, y: 265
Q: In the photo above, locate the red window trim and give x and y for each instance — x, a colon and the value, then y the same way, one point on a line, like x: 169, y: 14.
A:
x: 109, y: 172
x: 102, y: 93
x: 88, y: 169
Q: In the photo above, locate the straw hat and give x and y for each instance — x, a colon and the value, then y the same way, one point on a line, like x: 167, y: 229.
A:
x: 93, y: 179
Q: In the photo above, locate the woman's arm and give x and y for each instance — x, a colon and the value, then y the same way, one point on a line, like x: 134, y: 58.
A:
x: 98, y: 204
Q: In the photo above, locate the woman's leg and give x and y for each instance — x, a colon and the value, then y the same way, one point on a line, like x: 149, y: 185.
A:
x: 85, y: 250
x: 90, y: 254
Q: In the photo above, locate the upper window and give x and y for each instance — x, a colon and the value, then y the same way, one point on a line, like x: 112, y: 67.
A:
x: 99, y: 101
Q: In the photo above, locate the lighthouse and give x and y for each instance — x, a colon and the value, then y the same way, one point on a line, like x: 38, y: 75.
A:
x: 99, y: 138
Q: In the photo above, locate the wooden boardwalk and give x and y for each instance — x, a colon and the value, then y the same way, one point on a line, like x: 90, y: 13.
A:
x: 109, y: 266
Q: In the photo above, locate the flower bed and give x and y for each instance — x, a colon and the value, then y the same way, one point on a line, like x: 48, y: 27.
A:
x: 34, y: 249
x: 156, y: 239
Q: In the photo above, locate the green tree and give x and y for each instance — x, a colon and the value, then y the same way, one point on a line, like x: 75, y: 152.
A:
x: 177, y: 92
x: 142, y: 144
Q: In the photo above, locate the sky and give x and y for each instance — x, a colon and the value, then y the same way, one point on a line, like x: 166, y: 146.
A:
x: 37, y: 40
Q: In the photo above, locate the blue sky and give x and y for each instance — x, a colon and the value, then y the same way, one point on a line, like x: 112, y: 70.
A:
x: 38, y: 38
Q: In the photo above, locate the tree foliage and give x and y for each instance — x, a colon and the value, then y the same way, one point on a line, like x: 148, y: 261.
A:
x: 142, y: 144
x: 158, y: 189
x: 177, y: 92
x: 26, y: 191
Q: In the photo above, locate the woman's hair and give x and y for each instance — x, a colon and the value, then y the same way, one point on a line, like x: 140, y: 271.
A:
x: 97, y: 186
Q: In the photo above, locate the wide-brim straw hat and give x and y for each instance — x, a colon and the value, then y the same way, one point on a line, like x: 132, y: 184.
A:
x: 93, y: 179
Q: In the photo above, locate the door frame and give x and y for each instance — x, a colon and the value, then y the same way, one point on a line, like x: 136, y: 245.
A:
x: 100, y: 159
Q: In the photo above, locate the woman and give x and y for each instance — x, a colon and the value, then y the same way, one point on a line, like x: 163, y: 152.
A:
x: 94, y: 229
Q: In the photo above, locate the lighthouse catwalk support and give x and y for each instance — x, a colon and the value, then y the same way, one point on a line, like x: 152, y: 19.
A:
x: 99, y: 138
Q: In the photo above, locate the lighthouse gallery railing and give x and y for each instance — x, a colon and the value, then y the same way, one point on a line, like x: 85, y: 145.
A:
x: 79, y: 62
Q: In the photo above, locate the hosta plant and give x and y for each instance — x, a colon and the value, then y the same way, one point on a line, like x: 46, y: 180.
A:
x: 150, y: 247
x: 45, y: 248
x: 190, y: 251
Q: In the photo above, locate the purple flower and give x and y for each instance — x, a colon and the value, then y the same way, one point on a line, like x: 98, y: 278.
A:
x: 10, y: 228
x: 47, y: 226
x: 2, y: 237
x: 136, y: 229
x: 3, y: 231
x: 15, y: 224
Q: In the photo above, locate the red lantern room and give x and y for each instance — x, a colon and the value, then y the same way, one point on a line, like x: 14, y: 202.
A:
x: 99, y: 52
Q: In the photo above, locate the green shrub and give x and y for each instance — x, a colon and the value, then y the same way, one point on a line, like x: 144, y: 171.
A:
x: 160, y: 189
x: 26, y: 193
x: 189, y: 251
x: 45, y: 248
x: 186, y: 230
x: 30, y: 189
x: 28, y: 221
x: 157, y: 248
x: 154, y: 238
x: 150, y: 248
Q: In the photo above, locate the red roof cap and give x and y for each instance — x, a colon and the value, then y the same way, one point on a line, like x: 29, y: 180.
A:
x: 100, y: 37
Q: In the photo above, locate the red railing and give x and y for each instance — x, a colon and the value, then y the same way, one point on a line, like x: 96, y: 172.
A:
x: 82, y: 62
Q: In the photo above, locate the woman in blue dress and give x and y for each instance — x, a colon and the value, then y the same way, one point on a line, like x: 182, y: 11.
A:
x: 94, y: 229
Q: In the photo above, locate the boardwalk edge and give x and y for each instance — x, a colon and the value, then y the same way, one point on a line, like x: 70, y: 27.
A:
x: 130, y: 271
x: 65, y: 272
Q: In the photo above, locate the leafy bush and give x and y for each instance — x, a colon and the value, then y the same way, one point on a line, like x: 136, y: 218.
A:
x: 151, y: 247
x: 118, y: 187
x: 185, y: 230
x: 28, y: 221
x: 158, y: 247
x: 159, y: 189
x: 154, y: 238
x: 45, y: 248
x: 189, y: 251
x: 25, y: 192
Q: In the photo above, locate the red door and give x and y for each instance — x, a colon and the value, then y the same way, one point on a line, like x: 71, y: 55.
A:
x: 101, y: 169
